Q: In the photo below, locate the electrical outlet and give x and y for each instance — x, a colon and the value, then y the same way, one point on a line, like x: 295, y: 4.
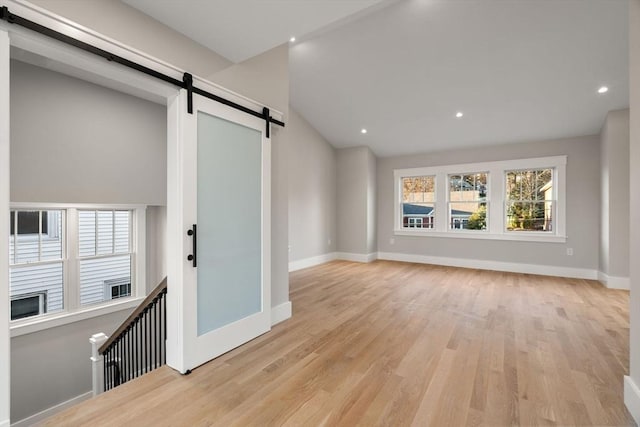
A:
x: 570, y: 251
x: 392, y: 241
x: 328, y: 242
x: 289, y: 248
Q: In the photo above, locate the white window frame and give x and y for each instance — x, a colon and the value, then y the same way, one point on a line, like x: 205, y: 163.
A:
x: 496, y: 199
x: 112, y: 283
x: 414, y: 222
x: 73, y: 311
x: 451, y: 217
x: 399, y: 186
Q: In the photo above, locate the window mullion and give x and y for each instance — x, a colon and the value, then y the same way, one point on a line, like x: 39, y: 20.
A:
x: 442, y: 207
x: 39, y: 235
x: 113, y: 232
x: 72, y: 267
x: 496, y: 200
x: 13, y: 236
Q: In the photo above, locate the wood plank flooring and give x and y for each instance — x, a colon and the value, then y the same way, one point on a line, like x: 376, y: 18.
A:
x: 398, y: 344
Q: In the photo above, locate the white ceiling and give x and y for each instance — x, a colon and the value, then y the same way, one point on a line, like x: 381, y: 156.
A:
x: 520, y: 70
x: 241, y: 29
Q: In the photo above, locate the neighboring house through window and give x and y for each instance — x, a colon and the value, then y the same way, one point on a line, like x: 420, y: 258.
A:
x: 68, y: 258
x: 468, y: 201
x: 418, y: 201
x: 523, y: 199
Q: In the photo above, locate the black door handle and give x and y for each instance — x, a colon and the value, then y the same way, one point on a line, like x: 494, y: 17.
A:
x: 194, y: 256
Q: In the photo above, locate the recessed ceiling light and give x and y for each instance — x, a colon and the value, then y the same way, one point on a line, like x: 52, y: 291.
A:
x: 459, y: 114
x: 363, y: 130
x: 603, y: 89
x: 292, y: 39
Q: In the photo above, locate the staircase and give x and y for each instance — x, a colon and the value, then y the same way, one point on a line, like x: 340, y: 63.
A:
x: 138, y: 346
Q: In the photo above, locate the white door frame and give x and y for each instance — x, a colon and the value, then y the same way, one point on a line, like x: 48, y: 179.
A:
x: 83, y: 65
x: 185, y: 353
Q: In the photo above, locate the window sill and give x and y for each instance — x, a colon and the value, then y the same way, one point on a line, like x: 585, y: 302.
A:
x: 515, y: 236
x: 41, y: 323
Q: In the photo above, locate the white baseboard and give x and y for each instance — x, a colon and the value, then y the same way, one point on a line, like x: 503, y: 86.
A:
x: 33, y: 419
x: 613, y: 282
x: 350, y: 256
x: 312, y: 261
x: 632, y: 398
x: 5, y: 423
x: 544, y: 270
x: 280, y: 313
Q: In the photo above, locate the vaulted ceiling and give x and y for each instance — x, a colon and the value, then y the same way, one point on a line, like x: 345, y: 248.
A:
x: 518, y: 70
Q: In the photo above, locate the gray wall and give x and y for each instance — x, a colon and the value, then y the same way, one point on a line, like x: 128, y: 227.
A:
x: 583, y: 198
x: 156, y: 245
x: 356, y: 201
x: 52, y: 366
x: 372, y: 241
x: 614, y: 186
x: 634, y: 304
x: 312, y: 191
x: 73, y: 141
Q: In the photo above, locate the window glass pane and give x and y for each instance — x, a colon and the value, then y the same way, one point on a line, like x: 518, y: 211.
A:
x: 418, y: 202
x: 105, y: 232
x: 27, y: 248
x: 51, y: 240
x: 97, y: 276
x: 529, y: 201
x: 87, y: 233
x: 26, y: 236
x: 27, y: 306
x: 27, y: 222
x: 530, y: 216
x: 41, y: 279
x: 468, y: 201
x: 122, y: 224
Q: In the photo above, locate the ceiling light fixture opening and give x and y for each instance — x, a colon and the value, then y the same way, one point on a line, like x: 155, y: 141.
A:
x: 459, y: 114
x: 603, y: 89
x: 292, y: 39
x: 363, y: 131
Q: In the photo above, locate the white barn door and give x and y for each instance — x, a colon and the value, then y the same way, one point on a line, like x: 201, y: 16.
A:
x: 222, y: 285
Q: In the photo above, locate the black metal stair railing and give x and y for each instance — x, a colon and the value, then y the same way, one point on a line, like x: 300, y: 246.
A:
x: 139, y: 345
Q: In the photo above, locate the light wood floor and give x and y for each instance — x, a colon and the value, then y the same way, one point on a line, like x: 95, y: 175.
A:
x: 400, y: 344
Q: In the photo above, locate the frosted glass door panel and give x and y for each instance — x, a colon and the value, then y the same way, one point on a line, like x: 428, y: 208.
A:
x: 229, y: 222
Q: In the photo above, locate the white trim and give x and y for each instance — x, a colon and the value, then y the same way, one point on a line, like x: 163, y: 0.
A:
x: 5, y: 423
x: 350, y: 256
x: 632, y: 398
x: 312, y: 261
x: 496, y: 193
x: 114, y: 72
x: 42, y: 415
x: 543, y: 270
x: 613, y: 282
x: 281, y: 312
x: 78, y: 206
x: 73, y: 311
x: 527, y: 236
x: 40, y: 323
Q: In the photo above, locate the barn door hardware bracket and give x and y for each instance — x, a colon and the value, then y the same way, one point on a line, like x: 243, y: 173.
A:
x: 187, y: 78
x: 267, y: 120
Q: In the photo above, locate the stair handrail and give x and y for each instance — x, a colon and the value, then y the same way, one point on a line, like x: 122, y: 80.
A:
x: 162, y: 287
